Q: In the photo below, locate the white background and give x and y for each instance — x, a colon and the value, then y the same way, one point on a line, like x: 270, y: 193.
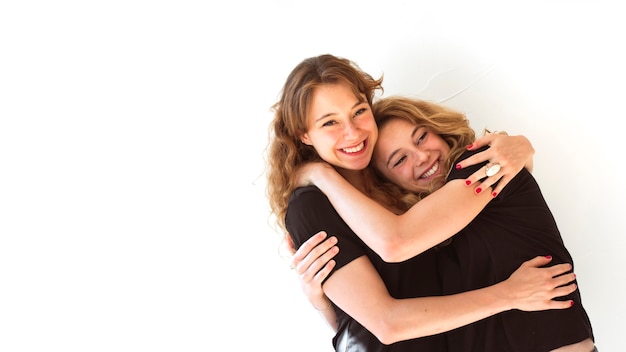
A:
x: 133, y: 214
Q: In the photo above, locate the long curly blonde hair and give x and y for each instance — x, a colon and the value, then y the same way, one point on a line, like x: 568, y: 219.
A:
x: 451, y: 125
x: 286, y: 152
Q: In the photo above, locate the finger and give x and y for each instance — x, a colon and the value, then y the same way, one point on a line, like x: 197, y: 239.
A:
x: 487, y: 139
x: 564, y: 279
x: 307, y: 246
x: 564, y: 290
x: 327, y: 255
x: 560, y: 269
x: 501, y: 184
x: 560, y: 304
x: 488, y: 181
x: 494, y: 184
x: 485, y: 184
x: 539, y: 261
x: 482, y: 175
x: 320, y: 262
x: 482, y: 187
x: 315, y: 253
x: 477, y: 158
x: 323, y: 273
x: 473, y: 178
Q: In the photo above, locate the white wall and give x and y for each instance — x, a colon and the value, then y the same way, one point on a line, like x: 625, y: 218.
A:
x: 132, y: 136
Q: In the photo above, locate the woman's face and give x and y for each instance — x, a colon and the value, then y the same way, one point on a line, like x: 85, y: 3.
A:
x: 341, y: 127
x: 410, y: 156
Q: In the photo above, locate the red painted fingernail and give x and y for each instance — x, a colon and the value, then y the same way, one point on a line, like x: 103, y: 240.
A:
x: 571, y: 303
x: 458, y: 166
x: 469, y: 146
x: 494, y: 194
x: 548, y: 256
x: 478, y: 190
x: 468, y: 182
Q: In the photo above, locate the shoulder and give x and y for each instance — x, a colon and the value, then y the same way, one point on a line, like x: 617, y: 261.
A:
x: 305, y: 197
x: 309, y: 211
x: 310, y: 203
x: 306, y: 191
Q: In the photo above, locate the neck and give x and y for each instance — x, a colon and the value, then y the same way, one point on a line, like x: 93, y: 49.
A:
x: 355, y: 177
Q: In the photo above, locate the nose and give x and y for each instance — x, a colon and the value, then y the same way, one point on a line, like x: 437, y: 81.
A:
x: 351, y: 131
x: 421, y: 156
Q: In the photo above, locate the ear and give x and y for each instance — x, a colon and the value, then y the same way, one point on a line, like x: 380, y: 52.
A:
x: 305, y: 139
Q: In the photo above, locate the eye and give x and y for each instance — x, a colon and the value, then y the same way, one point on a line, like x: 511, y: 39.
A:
x: 329, y: 123
x: 360, y: 112
x: 399, y: 161
x: 421, y: 138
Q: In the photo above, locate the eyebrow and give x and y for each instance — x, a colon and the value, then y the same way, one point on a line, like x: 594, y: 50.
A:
x: 396, y: 151
x: 359, y: 102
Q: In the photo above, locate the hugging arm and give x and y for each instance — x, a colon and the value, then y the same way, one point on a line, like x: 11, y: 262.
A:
x: 355, y: 286
x: 358, y: 290
x: 429, y: 222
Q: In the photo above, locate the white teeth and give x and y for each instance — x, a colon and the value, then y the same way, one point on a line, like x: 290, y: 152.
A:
x: 355, y: 149
x: 431, y: 171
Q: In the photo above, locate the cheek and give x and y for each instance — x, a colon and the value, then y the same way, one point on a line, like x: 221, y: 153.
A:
x: 441, y: 144
x: 405, y: 177
x: 398, y: 177
x: 374, y: 127
x: 323, y: 140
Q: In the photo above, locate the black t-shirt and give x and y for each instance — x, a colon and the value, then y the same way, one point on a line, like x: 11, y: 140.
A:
x: 309, y: 212
x: 514, y: 227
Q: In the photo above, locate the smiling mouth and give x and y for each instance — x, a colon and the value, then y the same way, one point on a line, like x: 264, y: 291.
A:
x: 355, y: 149
x: 430, y: 172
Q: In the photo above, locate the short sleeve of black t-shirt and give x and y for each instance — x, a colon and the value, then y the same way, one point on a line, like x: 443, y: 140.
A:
x: 309, y: 212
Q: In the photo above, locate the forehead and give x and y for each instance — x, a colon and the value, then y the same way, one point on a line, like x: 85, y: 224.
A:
x: 332, y: 94
x: 397, y: 127
x: 329, y: 99
x: 393, y: 135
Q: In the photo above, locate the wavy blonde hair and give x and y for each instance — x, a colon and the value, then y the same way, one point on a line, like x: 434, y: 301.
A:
x: 449, y: 124
x: 286, y: 152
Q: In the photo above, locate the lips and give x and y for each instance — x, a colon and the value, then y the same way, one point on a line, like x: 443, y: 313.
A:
x: 354, y: 149
x: 431, y: 171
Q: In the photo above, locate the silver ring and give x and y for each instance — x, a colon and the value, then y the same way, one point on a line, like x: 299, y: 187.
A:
x: 492, y: 169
